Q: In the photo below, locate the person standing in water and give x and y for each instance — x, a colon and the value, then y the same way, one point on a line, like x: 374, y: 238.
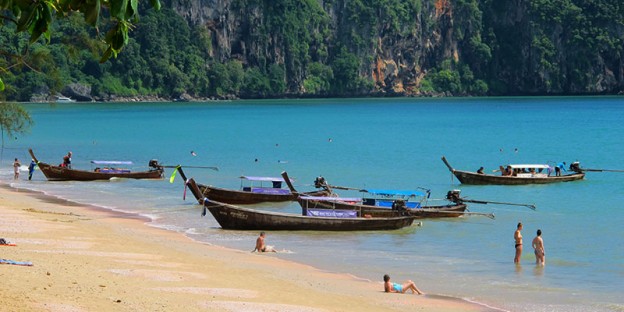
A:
x: 16, y: 168
x: 31, y: 168
x: 518, y: 240
x: 538, y: 245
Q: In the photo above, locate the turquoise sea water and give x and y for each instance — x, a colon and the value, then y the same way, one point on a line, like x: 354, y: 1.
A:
x: 376, y: 143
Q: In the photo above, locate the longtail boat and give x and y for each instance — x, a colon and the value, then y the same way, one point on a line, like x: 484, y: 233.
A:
x: 520, y: 174
x: 397, y: 209
x: 61, y: 173
x: 386, y: 203
x: 253, y: 194
x: 232, y: 217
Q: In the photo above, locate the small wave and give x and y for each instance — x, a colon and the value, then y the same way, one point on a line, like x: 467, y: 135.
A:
x: 168, y: 227
x: 192, y: 231
x: 466, y: 300
x: 150, y: 216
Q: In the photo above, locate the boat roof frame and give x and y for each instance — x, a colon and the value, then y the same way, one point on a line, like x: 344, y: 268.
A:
x: 529, y: 166
x: 388, y: 192
x: 332, y: 199
x: 263, y: 179
x: 111, y: 162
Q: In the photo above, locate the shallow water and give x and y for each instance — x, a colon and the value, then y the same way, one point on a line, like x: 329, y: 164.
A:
x: 376, y: 143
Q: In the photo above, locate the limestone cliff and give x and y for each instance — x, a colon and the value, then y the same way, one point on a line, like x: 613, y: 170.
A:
x: 510, y: 46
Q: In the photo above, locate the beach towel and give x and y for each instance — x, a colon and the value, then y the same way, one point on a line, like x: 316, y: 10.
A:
x: 3, y: 242
x: 7, y: 261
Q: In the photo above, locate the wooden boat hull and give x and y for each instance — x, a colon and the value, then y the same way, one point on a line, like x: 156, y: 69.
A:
x: 238, y: 218
x: 444, y: 211
x: 57, y: 173
x: 468, y: 177
x: 238, y: 197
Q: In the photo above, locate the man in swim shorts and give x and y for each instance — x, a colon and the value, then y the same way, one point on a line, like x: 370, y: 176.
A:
x: 260, y: 246
x: 538, y: 245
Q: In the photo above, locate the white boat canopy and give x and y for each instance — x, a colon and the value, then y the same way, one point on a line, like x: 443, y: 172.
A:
x: 263, y: 179
x: 529, y: 166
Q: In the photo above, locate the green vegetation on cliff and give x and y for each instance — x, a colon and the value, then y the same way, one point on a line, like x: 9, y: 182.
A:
x: 275, y: 48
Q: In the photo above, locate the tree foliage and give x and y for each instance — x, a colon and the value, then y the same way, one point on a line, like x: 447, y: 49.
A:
x: 273, y: 48
x: 14, y: 119
x: 35, y: 17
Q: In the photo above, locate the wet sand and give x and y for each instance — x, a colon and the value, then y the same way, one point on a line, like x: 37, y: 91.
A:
x: 89, y: 259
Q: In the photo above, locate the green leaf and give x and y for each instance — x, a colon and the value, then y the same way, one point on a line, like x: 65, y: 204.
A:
x: 41, y: 21
x: 46, y: 13
x: 23, y: 4
x: 132, y: 9
x: 1, y: 85
x: 4, y: 4
x: 118, y: 8
x: 155, y: 4
x: 109, y: 52
x: 75, y: 4
x: 26, y: 19
x: 92, y: 12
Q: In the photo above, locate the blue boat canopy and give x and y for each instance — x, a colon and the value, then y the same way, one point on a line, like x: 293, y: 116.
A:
x: 263, y: 179
x: 111, y: 162
x: 382, y: 192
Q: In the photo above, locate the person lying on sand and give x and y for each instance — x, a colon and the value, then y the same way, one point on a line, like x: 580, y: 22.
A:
x: 398, y: 288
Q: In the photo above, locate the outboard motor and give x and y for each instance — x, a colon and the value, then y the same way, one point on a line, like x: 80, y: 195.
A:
x: 576, y: 167
x: 154, y: 164
x: 453, y: 196
x: 399, y: 205
x: 319, y: 182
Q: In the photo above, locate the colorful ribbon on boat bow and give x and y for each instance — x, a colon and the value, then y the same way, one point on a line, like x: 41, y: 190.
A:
x: 186, y: 183
x: 204, y: 204
x: 173, y: 174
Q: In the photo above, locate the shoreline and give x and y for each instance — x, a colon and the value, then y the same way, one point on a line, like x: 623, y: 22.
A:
x: 92, y: 258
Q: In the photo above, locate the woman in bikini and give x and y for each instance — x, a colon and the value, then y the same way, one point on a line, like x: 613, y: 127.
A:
x: 398, y: 288
x: 518, y: 240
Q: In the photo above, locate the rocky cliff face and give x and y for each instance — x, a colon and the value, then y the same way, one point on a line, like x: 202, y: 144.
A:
x: 396, y: 62
x: 400, y: 43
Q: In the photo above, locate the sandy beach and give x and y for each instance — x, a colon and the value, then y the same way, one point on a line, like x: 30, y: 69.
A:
x: 90, y: 259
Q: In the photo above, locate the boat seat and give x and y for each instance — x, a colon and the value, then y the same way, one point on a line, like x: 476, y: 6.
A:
x: 331, y: 213
x: 268, y: 190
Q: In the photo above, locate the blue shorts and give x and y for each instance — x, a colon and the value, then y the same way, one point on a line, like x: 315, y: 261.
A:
x: 397, y: 287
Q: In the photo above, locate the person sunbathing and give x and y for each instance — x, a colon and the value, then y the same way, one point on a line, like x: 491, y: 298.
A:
x: 398, y: 288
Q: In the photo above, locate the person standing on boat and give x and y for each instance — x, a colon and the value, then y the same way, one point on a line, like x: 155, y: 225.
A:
x: 398, y: 288
x: 31, y: 168
x: 538, y: 245
x: 518, y: 240
x: 67, y: 160
x: 260, y: 245
x: 560, y: 166
x: 480, y: 171
x: 16, y: 167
